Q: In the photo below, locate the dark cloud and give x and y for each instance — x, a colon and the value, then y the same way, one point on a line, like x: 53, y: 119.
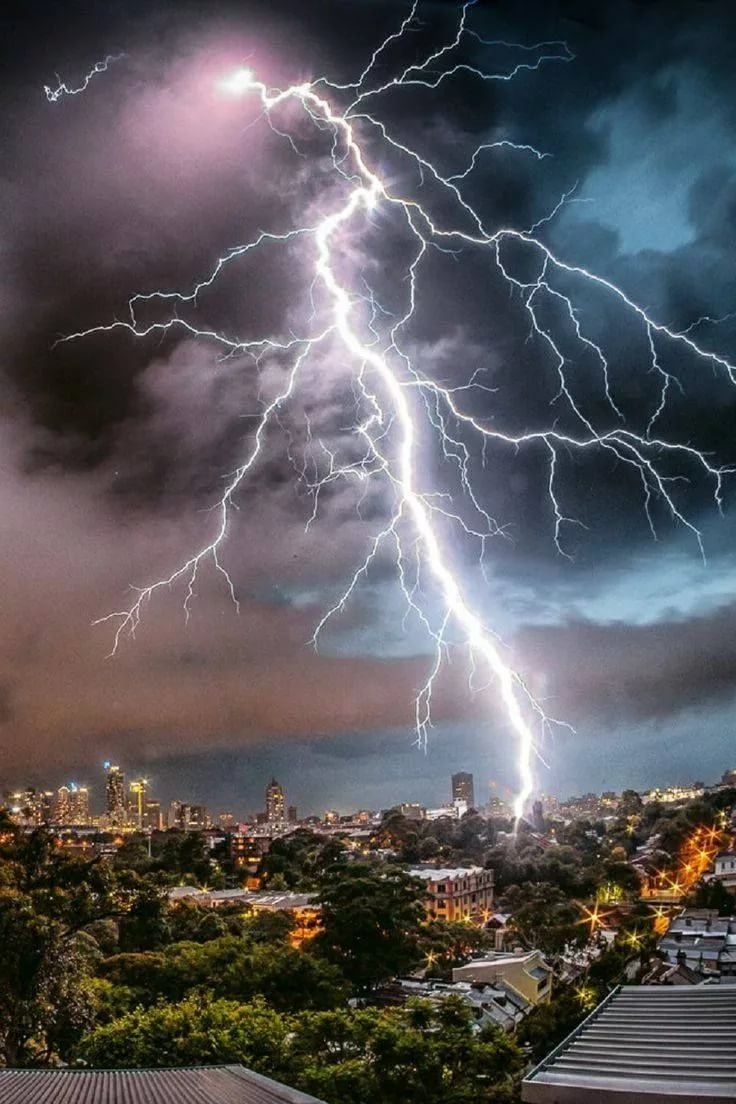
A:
x: 638, y: 672
x: 116, y: 449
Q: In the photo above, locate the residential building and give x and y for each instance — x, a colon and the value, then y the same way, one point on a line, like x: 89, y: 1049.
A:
x: 463, y: 788
x: 412, y: 810
x: 725, y: 869
x: 248, y: 848
x: 645, y: 1045
x: 205, y: 1085
x: 672, y: 794
x: 30, y: 807
x: 462, y: 893
x: 291, y: 814
x: 115, y: 805
x: 527, y: 974
x: 275, y: 802
x: 491, y: 1004
x: 703, y: 941
x: 728, y: 778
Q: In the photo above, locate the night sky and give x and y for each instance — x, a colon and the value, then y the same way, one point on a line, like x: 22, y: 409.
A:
x: 114, y: 449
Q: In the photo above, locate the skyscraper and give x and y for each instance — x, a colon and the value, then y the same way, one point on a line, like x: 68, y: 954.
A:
x: 78, y: 804
x: 115, y: 794
x: 275, y: 802
x: 63, y: 806
x: 30, y: 807
x: 138, y: 798
x: 463, y: 789
x: 153, y: 816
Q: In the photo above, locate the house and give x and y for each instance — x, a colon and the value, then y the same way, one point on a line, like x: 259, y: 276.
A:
x: 490, y: 1004
x: 204, y: 1085
x: 645, y: 1045
x: 725, y: 870
x: 526, y: 974
x: 702, y: 940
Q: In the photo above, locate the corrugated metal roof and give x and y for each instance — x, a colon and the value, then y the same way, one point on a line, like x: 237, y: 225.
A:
x: 205, y: 1085
x: 650, y: 1044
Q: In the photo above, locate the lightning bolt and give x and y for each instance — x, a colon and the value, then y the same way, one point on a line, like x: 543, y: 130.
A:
x: 53, y: 95
x: 402, y: 408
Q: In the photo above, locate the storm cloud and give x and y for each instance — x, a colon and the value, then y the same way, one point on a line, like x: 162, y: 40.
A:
x: 114, y: 450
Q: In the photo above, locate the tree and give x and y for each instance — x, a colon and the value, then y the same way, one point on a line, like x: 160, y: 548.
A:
x: 299, y: 860
x: 543, y: 918
x: 424, y: 1053
x: 445, y: 944
x: 713, y: 895
x: 548, y: 1024
x: 371, y: 915
x: 197, y: 1031
x: 288, y: 978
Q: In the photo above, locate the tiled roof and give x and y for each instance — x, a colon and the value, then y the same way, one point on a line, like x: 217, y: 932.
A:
x: 656, y: 1045
x: 205, y: 1085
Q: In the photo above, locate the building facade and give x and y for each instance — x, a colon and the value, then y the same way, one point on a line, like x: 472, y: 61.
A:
x: 463, y: 893
x: 527, y: 974
x: 115, y: 804
x: 275, y: 802
x: 463, y: 788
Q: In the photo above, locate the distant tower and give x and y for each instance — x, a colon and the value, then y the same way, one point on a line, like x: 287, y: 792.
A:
x: 78, y: 804
x: 175, y: 818
x: 538, y: 817
x: 153, y: 816
x: 275, y: 802
x: 115, y: 794
x: 138, y: 799
x: 463, y: 789
x: 63, y: 806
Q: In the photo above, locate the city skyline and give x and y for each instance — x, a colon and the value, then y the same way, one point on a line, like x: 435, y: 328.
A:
x: 252, y: 800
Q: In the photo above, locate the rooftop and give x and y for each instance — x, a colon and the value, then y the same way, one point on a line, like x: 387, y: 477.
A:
x: 205, y: 1085
x: 655, y: 1045
x: 434, y: 875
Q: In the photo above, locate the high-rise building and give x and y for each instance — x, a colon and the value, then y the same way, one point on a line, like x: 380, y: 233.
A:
x: 174, y: 818
x: 30, y: 807
x: 63, y: 806
x: 195, y: 817
x: 463, y: 789
x: 152, y: 816
x: 78, y: 804
x: 275, y: 802
x: 115, y: 794
x: 138, y: 800
x: 292, y: 816
x: 226, y: 821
